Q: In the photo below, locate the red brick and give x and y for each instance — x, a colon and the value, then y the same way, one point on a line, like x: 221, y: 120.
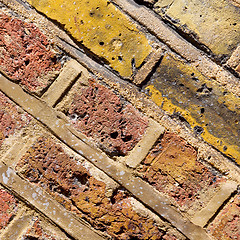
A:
x: 172, y: 168
x: 11, y: 118
x: 227, y: 224
x: 70, y: 183
x: 99, y: 113
x: 8, y: 207
x: 36, y: 232
x: 25, y: 53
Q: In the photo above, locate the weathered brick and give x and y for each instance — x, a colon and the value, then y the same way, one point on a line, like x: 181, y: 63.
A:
x: 36, y: 232
x: 8, y: 207
x: 172, y: 168
x: 70, y: 183
x: 11, y: 118
x: 101, y: 114
x: 214, y: 23
x: 226, y: 224
x: 211, y: 110
x: 103, y: 29
x: 26, y: 55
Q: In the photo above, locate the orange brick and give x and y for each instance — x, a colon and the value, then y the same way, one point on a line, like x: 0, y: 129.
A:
x: 71, y: 184
x: 172, y: 167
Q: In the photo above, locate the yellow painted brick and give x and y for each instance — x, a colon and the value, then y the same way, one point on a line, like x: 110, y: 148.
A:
x: 180, y: 88
x: 102, y: 28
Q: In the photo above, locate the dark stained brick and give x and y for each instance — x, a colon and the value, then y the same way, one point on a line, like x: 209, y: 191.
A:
x: 8, y: 207
x: 101, y: 114
x: 25, y: 54
x: 11, y: 118
x: 70, y: 183
x: 226, y: 225
x: 172, y: 168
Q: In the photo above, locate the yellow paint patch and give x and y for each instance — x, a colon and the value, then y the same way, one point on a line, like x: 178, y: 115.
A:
x: 101, y: 28
x: 180, y: 88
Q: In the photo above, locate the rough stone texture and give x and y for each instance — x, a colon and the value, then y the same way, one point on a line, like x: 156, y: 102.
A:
x: 213, y: 23
x: 70, y: 183
x: 101, y: 114
x: 36, y: 232
x: 11, y: 118
x: 8, y: 207
x: 226, y: 224
x: 211, y: 111
x: 172, y: 168
x: 26, y: 55
x: 102, y: 28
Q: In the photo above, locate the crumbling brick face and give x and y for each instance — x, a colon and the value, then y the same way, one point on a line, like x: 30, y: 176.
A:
x: 99, y: 113
x: 8, y: 207
x: 36, y: 232
x: 226, y: 224
x: 11, y: 118
x: 70, y: 183
x: 25, y: 53
x: 172, y: 168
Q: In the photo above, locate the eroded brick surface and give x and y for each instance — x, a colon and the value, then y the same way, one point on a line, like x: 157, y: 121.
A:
x: 25, y: 54
x: 99, y: 113
x: 172, y: 168
x: 8, y: 207
x: 70, y: 183
x: 226, y: 225
x: 36, y: 232
x: 11, y: 117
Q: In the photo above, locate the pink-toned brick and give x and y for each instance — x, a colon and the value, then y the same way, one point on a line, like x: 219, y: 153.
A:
x: 99, y: 113
x: 227, y: 223
x: 172, y: 168
x: 25, y: 53
x: 8, y: 207
x: 11, y: 118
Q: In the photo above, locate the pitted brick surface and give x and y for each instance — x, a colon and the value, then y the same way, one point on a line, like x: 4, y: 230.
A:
x: 101, y: 114
x: 11, y: 118
x: 71, y: 184
x: 226, y: 225
x: 172, y: 167
x: 25, y: 53
x: 8, y: 207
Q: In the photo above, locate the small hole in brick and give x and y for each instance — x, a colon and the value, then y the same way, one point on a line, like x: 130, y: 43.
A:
x: 114, y: 135
x: 127, y: 138
x: 26, y: 62
x: 224, y: 148
x: 120, y: 58
x: 83, y: 179
x: 101, y: 43
x: 113, y: 58
x: 202, y: 110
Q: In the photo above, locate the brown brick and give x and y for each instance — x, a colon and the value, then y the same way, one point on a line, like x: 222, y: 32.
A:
x: 172, y: 168
x: 8, y: 207
x: 101, y: 114
x: 25, y: 54
x: 226, y: 224
x: 11, y: 117
x: 70, y: 183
